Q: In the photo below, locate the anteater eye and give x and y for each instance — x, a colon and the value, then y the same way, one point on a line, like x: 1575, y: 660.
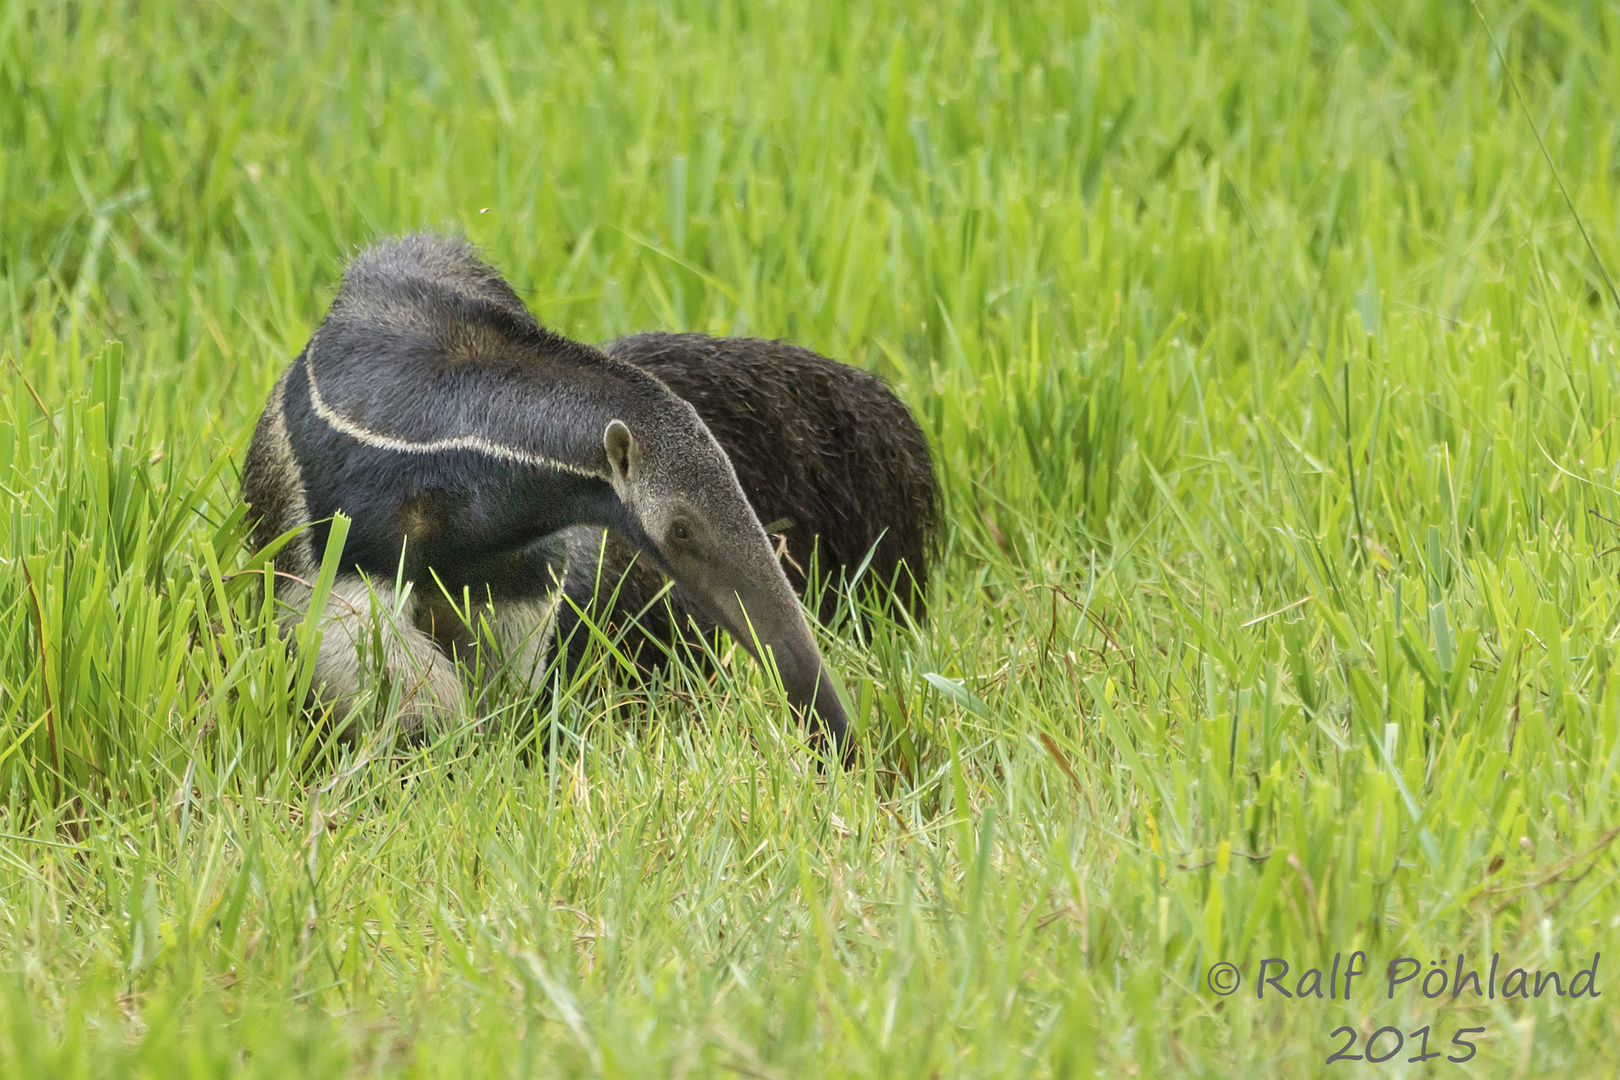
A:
x: 680, y: 533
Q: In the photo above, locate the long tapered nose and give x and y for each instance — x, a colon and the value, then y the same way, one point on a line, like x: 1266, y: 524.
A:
x: 769, y: 616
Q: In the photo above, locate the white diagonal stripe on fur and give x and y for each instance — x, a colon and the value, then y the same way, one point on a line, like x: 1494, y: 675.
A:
x: 475, y: 443
x: 302, y: 551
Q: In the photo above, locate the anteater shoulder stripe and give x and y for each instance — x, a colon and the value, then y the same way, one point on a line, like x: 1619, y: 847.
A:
x: 474, y: 443
x: 302, y: 553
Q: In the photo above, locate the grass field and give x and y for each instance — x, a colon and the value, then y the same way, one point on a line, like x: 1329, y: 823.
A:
x: 1270, y: 366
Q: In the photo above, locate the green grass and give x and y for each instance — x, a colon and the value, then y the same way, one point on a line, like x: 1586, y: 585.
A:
x: 1273, y: 387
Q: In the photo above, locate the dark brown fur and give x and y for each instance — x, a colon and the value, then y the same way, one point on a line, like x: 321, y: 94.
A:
x: 823, y: 445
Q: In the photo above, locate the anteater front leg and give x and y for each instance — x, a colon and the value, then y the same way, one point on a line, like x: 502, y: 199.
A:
x: 522, y: 634
x: 367, y: 632
x: 526, y: 623
x: 500, y: 623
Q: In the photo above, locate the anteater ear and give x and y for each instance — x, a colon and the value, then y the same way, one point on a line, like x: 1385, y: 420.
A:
x: 623, y: 455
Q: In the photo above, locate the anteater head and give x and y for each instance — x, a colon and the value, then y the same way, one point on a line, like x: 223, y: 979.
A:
x: 686, y: 511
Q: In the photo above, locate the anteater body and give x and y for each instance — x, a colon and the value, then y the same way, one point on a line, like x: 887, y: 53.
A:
x: 463, y: 439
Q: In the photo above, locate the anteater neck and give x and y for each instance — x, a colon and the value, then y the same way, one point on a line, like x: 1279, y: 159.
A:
x: 449, y: 426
